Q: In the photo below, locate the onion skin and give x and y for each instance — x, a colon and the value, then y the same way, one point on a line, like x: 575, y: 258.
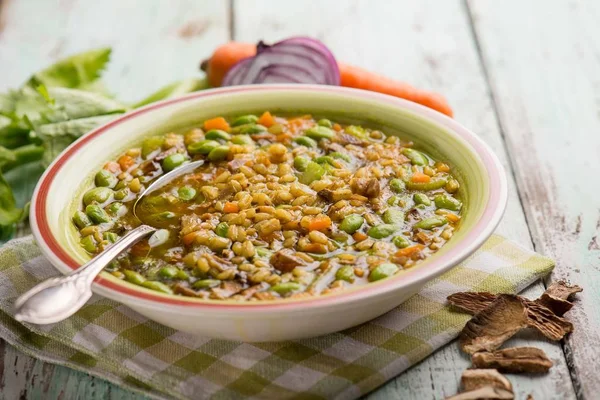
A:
x: 224, y: 58
x: 229, y: 54
x: 295, y: 60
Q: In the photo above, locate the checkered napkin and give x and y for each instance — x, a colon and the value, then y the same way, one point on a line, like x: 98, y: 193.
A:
x: 111, y: 341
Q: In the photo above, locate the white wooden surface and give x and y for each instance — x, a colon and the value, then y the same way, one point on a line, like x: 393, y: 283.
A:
x: 545, y: 75
x: 497, y: 78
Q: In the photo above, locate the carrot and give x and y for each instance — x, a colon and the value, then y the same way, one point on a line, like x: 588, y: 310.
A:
x: 266, y: 119
x: 359, y: 236
x: 419, y: 177
x: 189, y: 238
x: 230, y: 207
x: 319, y: 223
x: 337, y: 127
x: 216, y: 123
x: 360, y: 78
x: 409, y: 251
x: 125, y: 162
x: 452, y: 217
x: 113, y: 167
x: 227, y: 55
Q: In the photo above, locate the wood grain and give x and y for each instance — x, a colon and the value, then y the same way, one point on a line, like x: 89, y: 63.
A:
x: 153, y: 44
x: 545, y: 76
x: 435, y: 50
x: 427, y: 43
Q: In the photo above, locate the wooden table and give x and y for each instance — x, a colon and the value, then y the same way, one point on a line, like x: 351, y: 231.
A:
x: 525, y: 75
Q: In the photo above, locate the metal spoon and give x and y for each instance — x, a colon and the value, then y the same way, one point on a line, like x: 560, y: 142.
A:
x: 58, y: 298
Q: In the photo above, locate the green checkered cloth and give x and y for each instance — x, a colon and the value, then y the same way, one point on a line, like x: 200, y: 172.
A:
x: 111, y: 341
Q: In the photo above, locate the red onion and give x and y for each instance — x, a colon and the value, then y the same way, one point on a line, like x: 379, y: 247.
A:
x: 295, y: 60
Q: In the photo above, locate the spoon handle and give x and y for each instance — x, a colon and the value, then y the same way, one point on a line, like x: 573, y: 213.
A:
x: 60, y: 297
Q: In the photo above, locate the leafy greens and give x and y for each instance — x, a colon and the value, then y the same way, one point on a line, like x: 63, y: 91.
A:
x: 52, y: 109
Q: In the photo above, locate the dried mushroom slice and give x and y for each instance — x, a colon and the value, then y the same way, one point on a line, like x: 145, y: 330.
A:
x: 471, y: 302
x: 514, y: 359
x: 556, y: 297
x: 487, y: 330
x: 476, y: 378
x: 479, y: 384
x: 546, y: 322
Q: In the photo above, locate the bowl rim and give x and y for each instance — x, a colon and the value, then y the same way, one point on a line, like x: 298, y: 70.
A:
x: 480, y: 232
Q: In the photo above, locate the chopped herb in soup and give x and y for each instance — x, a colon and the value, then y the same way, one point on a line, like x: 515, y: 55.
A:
x: 283, y: 207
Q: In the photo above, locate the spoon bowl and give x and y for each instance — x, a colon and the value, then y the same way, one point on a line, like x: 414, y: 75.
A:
x: 58, y: 298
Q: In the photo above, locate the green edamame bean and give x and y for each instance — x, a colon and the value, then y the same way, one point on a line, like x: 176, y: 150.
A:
x: 325, y: 160
x: 222, y: 229
x: 319, y: 132
x: 163, y: 217
x: 430, y: 223
x: 287, y: 287
x: 218, y: 153
x: 121, y: 185
x: 105, y: 178
x: 181, y: 274
x: 262, y: 252
x: 151, y: 145
x: 116, y: 209
x: 452, y: 186
x: 96, y: 214
x: 133, y: 277
x: 352, y: 223
x: 393, y: 201
x: 421, y: 198
x: 346, y: 273
x: 81, y: 220
x: 313, y: 172
x: 121, y: 194
x: 415, y: 157
x: 202, y: 147
x: 168, y: 272
x: 206, y: 283
x: 401, y: 242
x: 424, y: 187
x: 242, y: 140
x: 245, y: 119
x: 393, y: 216
x: 88, y: 243
x: 341, y: 156
x: 382, y: 231
x: 217, y: 134
x: 325, y: 122
x: 305, y: 141
x: 357, y: 131
x: 383, y: 271
x: 448, y: 203
x: 158, y: 286
x: 397, y: 185
x: 251, y: 129
x: 99, y: 195
x: 173, y: 161
x: 300, y: 163
x: 110, y: 236
x: 186, y: 193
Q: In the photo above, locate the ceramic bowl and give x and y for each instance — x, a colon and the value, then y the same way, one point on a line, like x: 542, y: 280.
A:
x: 483, y: 191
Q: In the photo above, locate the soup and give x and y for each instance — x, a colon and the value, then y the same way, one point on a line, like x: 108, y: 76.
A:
x: 283, y: 207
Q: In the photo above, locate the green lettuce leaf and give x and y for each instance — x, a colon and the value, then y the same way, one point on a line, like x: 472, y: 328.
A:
x: 79, y: 71
x: 58, y: 136
x: 10, y: 214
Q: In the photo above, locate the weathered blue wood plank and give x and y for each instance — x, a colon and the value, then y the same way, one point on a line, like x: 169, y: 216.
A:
x: 544, y: 68
x: 429, y: 44
x: 153, y: 44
